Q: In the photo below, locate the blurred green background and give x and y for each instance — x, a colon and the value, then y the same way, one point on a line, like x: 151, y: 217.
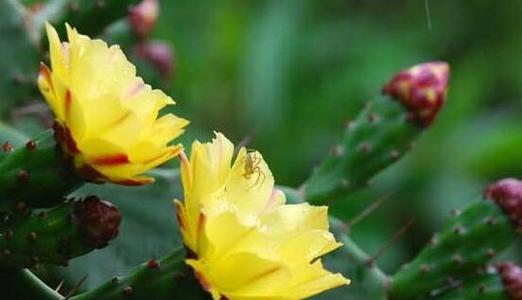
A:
x: 287, y: 75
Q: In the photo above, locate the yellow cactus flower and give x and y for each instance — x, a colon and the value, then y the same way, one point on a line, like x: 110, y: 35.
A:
x: 106, y: 116
x: 244, y: 242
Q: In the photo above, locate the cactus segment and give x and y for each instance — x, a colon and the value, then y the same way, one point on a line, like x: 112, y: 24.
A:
x: 467, y: 242
x: 69, y: 230
x: 382, y: 132
x: 167, y: 278
x: 36, y: 174
x: 379, y: 136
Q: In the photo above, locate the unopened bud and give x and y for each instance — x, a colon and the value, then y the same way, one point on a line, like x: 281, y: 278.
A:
x: 422, y: 89
x: 159, y: 54
x: 511, y: 275
x: 507, y: 193
x: 99, y: 220
x: 143, y: 16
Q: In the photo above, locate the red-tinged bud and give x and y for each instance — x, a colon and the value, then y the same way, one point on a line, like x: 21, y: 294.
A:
x: 508, y: 194
x: 160, y: 55
x: 143, y: 16
x: 422, y: 89
x: 511, y: 275
x: 99, y: 220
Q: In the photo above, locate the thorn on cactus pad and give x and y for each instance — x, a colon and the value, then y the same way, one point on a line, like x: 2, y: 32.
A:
x: 21, y: 207
x: 153, y: 264
x: 30, y: 145
x: 491, y: 253
x: 43, y: 215
x: 425, y: 268
x: 18, y: 79
x: 72, y: 6
x: 100, y: 3
x: 98, y: 219
x: 7, y: 147
x: 455, y: 212
x: 32, y: 236
x: 395, y: 154
x: 345, y: 183
x: 23, y: 176
x: 127, y: 291
x: 457, y: 259
x: 373, y: 118
x: 350, y: 124
x: 365, y: 147
x: 491, y: 221
x: 459, y: 230
x: 507, y: 193
x: 9, y: 234
x: 337, y: 150
x: 511, y: 275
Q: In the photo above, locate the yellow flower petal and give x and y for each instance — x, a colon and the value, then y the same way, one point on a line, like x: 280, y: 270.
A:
x: 246, y: 243
x: 107, y: 116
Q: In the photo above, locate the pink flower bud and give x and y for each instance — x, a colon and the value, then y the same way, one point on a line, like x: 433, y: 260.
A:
x: 143, y: 16
x: 159, y: 54
x: 511, y: 275
x: 508, y: 194
x: 421, y: 89
x: 99, y: 220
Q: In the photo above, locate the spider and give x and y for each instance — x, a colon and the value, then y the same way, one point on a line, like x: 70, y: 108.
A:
x: 252, y: 166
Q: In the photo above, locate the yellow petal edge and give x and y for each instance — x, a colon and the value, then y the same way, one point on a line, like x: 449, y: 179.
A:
x: 245, y: 242
x: 106, y: 117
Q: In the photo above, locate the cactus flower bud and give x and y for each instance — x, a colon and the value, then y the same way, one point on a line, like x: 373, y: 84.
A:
x: 421, y: 89
x: 158, y: 54
x: 143, y: 16
x: 99, y: 220
x: 511, y: 275
x: 507, y: 193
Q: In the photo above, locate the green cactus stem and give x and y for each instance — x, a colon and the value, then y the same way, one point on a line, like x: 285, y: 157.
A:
x: 382, y: 133
x: 35, y: 175
x: 467, y: 242
x: 53, y: 237
x: 166, y: 278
